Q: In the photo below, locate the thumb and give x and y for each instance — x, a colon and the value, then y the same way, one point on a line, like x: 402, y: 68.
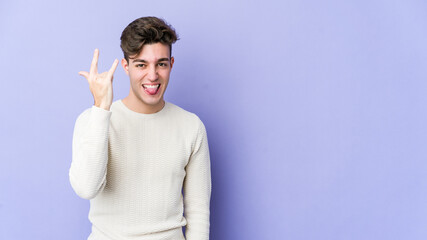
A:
x: 84, y: 74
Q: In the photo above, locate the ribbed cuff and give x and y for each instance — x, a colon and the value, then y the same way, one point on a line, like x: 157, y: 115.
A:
x: 100, y: 112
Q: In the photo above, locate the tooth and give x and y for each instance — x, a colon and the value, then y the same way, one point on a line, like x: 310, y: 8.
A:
x: 152, y: 86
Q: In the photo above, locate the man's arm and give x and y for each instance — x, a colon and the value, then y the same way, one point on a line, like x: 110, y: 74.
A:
x: 90, y: 139
x: 90, y: 152
x: 197, y: 189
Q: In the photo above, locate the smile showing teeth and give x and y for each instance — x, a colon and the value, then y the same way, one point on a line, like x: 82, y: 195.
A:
x: 151, y: 86
x: 151, y: 89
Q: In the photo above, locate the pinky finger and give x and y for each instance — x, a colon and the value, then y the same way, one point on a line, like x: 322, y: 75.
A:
x: 113, y: 67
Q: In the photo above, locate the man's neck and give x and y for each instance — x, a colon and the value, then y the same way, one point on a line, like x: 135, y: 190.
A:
x: 140, y: 107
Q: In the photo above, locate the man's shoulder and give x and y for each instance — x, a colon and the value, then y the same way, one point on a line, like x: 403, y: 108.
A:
x: 183, y: 114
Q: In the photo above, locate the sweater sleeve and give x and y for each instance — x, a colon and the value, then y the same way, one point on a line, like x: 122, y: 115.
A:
x: 88, y: 168
x: 197, y: 189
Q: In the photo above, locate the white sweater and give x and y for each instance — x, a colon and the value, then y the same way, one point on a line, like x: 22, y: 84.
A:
x: 133, y: 167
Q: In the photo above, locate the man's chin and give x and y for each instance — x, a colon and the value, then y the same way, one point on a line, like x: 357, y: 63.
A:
x: 152, y: 102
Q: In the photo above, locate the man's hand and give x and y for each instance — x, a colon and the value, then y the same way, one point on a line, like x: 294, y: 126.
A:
x: 101, y: 85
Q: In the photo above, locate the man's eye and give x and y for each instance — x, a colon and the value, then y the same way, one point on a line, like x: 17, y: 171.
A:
x: 162, y: 64
x: 140, y: 65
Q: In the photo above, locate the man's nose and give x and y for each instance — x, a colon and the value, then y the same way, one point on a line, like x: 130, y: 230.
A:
x: 152, y: 74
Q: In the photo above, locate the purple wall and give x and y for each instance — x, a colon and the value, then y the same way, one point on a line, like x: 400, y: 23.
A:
x: 316, y: 112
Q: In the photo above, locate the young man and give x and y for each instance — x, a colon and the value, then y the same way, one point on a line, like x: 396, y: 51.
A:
x: 133, y: 157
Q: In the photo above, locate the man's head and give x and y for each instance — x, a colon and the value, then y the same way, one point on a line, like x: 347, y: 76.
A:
x: 146, y: 30
x: 147, y: 48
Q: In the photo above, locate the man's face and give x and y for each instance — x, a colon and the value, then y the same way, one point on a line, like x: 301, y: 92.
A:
x: 149, y: 75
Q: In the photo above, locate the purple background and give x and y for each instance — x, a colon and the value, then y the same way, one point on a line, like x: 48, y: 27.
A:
x: 316, y: 112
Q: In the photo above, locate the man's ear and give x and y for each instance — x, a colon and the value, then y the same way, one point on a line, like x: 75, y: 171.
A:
x: 125, y: 66
x: 172, y: 61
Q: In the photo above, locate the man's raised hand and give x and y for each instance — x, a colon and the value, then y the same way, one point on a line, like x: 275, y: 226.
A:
x: 101, y: 85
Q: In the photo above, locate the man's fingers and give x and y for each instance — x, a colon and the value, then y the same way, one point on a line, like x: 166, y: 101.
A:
x: 113, y: 67
x: 84, y: 74
x: 94, y: 65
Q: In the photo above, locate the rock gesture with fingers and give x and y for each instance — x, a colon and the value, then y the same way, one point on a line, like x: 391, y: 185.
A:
x: 100, y: 84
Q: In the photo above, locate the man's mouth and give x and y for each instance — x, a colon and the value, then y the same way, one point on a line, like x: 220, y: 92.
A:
x: 151, y: 89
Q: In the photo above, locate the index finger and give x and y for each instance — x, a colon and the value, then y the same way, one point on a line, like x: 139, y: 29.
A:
x: 94, y: 65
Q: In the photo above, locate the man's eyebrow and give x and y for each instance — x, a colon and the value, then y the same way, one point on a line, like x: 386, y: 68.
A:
x: 163, y: 59
x: 139, y: 60
x: 143, y: 61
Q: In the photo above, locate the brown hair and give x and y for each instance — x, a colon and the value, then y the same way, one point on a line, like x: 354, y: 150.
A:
x: 146, y: 30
